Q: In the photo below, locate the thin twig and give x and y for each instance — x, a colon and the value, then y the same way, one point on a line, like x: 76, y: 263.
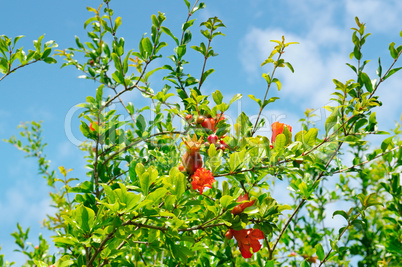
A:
x: 339, y: 238
x: 266, y: 93
x: 137, y: 142
x: 386, y: 73
x: 16, y: 68
x: 367, y: 161
x: 304, y: 200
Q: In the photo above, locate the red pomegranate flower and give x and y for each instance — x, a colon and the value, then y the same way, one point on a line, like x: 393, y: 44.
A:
x: 247, y: 239
x: 202, y: 178
x: 239, y: 208
x: 277, y: 128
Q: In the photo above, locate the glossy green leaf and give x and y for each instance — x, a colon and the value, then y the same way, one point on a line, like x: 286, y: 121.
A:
x: 320, y: 251
x: 332, y: 120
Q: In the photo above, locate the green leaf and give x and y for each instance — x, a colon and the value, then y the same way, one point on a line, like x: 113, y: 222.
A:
x: 392, y: 50
x: 147, y: 45
x: 84, y: 218
x: 310, y: 138
x: 50, y: 60
x: 157, y: 194
x: 99, y: 93
x: 371, y: 200
x: 256, y: 99
x: 235, y: 98
x: 217, y: 96
x: 320, y: 251
x: 270, y: 100
x: 187, y: 4
x: 149, y: 73
x: 180, y: 186
x: 342, y: 213
x: 278, y: 83
x: 69, y: 240
x: 288, y: 135
x: 226, y: 201
x: 188, y: 24
x: 391, y: 72
x: 367, y: 82
x: 268, y: 60
x: 357, y: 53
x: 290, y: 66
x: 280, y: 142
x: 117, y: 23
x: 109, y: 193
x: 118, y: 77
x: 206, y: 74
x: 168, y: 32
x: 155, y: 20
x: 386, y: 143
x: 140, y: 123
x: 88, y: 21
x: 144, y: 183
x: 180, y: 51
x: 332, y: 120
x: 225, y: 188
x: 267, y: 77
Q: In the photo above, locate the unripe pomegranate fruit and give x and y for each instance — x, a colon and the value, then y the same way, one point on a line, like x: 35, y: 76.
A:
x: 222, y: 145
x: 189, y: 118
x: 200, y: 119
x: 229, y: 234
x: 209, y: 123
x: 212, y: 139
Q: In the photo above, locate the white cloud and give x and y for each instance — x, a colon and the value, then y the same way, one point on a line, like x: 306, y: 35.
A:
x: 324, y: 45
x: 23, y: 203
x: 390, y: 94
x: 379, y: 15
x: 311, y: 84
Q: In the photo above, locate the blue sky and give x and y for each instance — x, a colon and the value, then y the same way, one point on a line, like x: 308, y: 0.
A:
x: 48, y: 93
